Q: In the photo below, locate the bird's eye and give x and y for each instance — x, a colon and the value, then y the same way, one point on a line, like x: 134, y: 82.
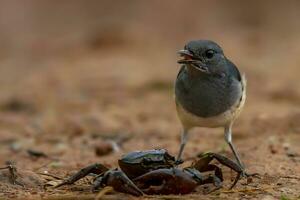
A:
x: 209, y: 54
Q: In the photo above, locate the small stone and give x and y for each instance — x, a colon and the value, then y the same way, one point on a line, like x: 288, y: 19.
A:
x: 273, y: 150
x: 249, y: 180
x: 103, y: 148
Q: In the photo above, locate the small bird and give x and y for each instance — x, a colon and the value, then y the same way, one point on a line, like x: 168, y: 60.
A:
x: 209, y: 91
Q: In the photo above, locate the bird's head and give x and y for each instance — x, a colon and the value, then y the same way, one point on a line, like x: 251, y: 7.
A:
x: 204, y: 55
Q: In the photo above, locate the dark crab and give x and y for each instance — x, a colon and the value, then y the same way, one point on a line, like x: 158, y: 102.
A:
x: 156, y: 172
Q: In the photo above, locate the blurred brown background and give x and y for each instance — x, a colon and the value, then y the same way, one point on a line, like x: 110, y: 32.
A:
x: 260, y: 36
x: 128, y: 39
x: 73, y: 71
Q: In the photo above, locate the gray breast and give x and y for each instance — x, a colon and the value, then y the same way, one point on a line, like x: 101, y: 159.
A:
x: 206, y: 95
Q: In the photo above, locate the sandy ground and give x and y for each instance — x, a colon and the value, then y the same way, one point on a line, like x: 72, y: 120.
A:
x: 119, y: 87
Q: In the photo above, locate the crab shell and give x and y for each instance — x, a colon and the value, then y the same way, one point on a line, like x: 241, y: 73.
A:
x: 138, y: 163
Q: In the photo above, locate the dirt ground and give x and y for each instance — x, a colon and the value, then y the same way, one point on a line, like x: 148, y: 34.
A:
x: 76, y: 79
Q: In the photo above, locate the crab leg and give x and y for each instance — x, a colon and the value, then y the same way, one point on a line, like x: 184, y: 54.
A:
x: 204, y: 161
x: 119, y: 181
x: 96, y: 168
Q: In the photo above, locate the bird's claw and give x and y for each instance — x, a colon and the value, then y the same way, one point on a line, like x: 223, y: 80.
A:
x: 178, y: 162
x: 247, y: 175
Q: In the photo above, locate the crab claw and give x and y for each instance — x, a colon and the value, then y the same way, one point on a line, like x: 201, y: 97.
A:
x: 166, y: 181
x: 119, y: 181
x: 204, y: 179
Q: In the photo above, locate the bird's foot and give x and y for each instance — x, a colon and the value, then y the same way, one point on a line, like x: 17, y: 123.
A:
x: 178, y: 162
x: 247, y: 175
x: 244, y: 173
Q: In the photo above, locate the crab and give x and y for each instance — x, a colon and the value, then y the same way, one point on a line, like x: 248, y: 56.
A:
x: 157, y: 172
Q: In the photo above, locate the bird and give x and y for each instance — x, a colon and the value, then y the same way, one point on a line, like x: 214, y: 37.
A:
x: 210, y: 91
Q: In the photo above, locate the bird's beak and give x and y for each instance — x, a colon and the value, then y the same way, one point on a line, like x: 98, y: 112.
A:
x: 185, y: 52
x: 187, y: 56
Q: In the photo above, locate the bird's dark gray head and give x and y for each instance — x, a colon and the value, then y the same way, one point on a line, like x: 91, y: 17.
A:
x: 203, y: 55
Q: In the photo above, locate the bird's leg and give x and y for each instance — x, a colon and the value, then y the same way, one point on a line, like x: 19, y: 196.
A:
x: 228, y: 138
x: 184, y: 138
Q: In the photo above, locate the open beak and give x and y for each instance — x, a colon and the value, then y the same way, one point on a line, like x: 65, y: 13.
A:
x: 185, y: 52
x: 187, y: 56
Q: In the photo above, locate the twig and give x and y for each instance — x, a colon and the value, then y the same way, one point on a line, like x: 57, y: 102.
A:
x: 103, y: 192
x: 245, y: 190
x: 13, y: 174
x: 50, y: 175
x: 37, y: 154
x: 291, y: 177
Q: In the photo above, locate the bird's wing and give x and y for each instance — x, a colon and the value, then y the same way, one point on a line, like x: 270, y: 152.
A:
x: 240, y: 104
x: 234, y: 70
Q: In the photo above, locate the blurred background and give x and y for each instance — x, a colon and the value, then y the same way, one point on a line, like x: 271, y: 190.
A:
x: 132, y: 41
x: 85, y: 45
x: 85, y: 73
